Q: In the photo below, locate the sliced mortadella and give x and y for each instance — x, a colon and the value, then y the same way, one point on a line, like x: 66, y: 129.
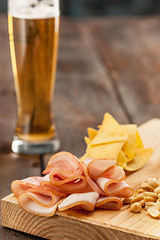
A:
x: 114, y: 187
x: 86, y: 201
x: 19, y: 186
x: 39, y: 201
x: 98, y: 167
x: 112, y: 203
x: 64, y: 161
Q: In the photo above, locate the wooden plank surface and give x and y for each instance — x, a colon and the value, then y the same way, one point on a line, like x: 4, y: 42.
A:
x: 130, y: 49
x: 85, y: 88
x: 100, y: 223
x: 61, y: 226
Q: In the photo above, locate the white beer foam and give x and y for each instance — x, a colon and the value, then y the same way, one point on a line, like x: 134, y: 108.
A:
x: 33, y: 9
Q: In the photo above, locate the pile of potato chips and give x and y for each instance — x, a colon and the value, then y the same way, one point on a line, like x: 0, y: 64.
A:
x: 115, y: 141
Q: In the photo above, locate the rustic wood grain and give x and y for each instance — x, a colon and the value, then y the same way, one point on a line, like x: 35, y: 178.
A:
x: 130, y: 49
x: 61, y: 226
x: 100, y: 224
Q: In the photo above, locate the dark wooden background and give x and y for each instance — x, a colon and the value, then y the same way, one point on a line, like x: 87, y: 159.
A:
x: 105, y: 65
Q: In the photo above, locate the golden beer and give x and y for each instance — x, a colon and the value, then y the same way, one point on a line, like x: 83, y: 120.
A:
x: 33, y: 46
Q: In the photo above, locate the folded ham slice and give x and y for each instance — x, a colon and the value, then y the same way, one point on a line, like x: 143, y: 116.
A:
x: 39, y: 201
x: 66, y: 173
x: 93, y: 185
x: 93, y: 169
x: 98, y: 167
x: 86, y: 201
x: 19, y: 186
x: 113, y: 187
x: 66, y: 161
x: 54, y: 189
x: 116, y: 173
x: 67, y: 181
x: 112, y: 203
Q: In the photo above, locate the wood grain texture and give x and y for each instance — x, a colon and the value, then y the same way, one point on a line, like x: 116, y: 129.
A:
x: 99, y: 224
x: 61, y: 226
x: 130, y: 49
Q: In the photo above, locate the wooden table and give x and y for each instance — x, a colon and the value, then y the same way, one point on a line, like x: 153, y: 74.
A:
x: 105, y: 65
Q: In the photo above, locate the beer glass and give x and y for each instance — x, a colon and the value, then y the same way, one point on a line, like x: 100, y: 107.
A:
x: 33, y: 34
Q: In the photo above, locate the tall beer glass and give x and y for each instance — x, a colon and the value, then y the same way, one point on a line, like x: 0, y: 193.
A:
x: 33, y: 35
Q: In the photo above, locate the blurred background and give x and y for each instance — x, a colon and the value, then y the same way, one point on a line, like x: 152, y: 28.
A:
x: 82, y: 8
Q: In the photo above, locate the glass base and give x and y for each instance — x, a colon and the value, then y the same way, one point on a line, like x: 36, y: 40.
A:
x: 35, y: 148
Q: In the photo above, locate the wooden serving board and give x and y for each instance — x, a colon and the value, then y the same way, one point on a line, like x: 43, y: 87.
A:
x: 100, y: 224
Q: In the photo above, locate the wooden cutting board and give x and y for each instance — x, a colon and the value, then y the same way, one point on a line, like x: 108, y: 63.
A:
x: 100, y: 224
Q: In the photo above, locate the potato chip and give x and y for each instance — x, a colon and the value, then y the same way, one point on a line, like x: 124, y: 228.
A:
x: 129, y: 145
x: 110, y: 131
x: 108, y: 150
x: 92, y: 133
x: 121, y: 160
x: 87, y: 140
x: 141, y: 157
x: 139, y: 143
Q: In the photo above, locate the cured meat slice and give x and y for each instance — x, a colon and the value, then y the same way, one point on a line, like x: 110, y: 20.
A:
x: 66, y: 172
x: 116, y: 173
x: 86, y: 201
x: 110, y: 174
x: 19, y: 186
x: 91, y: 182
x: 115, y: 188
x: 102, y: 167
x: 46, y: 183
x: 39, y: 201
x: 112, y: 203
x: 98, y: 167
x: 66, y: 161
x: 67, y: 182
x: 54, y: 189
